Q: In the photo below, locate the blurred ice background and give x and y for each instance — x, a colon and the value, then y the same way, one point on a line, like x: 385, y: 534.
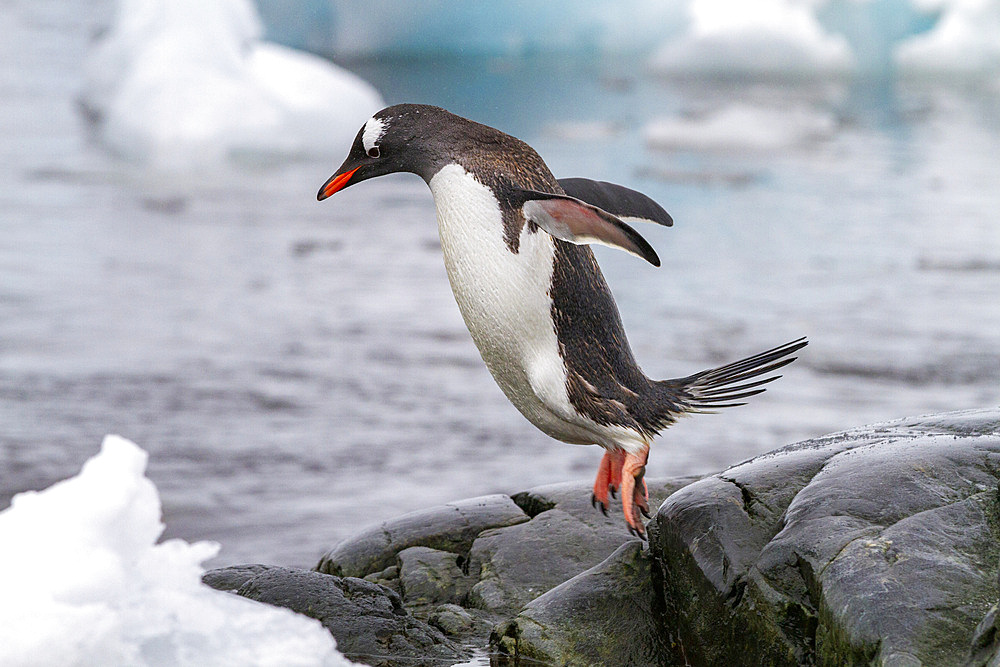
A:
x: 297, y: 370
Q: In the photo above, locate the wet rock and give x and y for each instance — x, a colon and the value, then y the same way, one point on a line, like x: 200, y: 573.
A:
x: 429, y: 576
x: 517, y: 564
x: 605, y: 616
x: 451, y: 527
x: 873, y: 546
x: 985, y: 650
x: 451, y: 619
x: 231, y: 578
x: 389, y: 577
x: 574, y: 499
x: 368, y: 621
x: 566, y: 536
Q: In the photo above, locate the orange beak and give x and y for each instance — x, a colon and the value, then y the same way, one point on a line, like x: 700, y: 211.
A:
x: 335, y: 184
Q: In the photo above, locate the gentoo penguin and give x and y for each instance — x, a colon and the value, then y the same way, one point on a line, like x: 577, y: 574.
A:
x: 515, y: 243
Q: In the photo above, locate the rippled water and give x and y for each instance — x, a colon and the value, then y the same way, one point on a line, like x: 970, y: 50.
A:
x: 297, y: 370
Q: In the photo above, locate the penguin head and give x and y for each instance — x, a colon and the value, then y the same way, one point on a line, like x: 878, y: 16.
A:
x: 402, y: 138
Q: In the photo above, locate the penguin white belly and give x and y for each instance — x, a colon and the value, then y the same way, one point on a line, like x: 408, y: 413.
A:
x: 504, y: 299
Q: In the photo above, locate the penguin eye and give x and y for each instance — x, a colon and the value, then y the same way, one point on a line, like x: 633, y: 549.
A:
x: 373, y: 151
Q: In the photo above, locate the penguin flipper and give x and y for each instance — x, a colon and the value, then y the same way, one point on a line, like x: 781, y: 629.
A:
x: 578, y: 222
x: 617, y: 200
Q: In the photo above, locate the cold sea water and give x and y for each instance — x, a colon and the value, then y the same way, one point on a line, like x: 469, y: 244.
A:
x: 298, y: 370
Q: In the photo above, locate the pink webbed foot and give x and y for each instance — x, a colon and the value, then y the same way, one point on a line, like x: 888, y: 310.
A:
x: 609, y: 478
x: 635, y: 494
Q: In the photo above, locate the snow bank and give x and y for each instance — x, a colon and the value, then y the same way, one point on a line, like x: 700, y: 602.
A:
x: 187, y: 82
x: 742, y: 127
x: 84, y: 583
x: 966, y: 40
x: 760, y: 38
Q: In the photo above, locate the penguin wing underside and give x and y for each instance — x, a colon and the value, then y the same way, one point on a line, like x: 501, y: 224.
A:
x: 578, y: 222
x: 617, y: 200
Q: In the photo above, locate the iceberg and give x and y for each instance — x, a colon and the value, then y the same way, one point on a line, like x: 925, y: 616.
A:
x: 516, y: 27
x: 703, y: 38
x: 182, y: 83
x: 742, y: 127
x: 765, y: 38
x: 965, y: 40
x: 85, y: 583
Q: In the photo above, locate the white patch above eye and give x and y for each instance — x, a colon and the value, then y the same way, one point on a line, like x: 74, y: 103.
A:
x: 374, y: 129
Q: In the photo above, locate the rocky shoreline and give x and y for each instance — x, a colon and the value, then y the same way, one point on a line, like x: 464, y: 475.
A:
x: 878, y: 545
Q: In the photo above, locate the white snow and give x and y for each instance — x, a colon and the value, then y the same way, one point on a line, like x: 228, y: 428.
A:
x: 966, y: 40
x: 84, y: 583
x: 742, y: 127
x: 761, y: 38
x: 189, y: 82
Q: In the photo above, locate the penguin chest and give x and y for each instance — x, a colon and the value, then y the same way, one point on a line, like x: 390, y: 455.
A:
x: 504, y: 298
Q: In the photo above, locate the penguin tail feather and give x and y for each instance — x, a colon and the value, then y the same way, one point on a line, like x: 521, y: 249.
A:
x: 725, y: 386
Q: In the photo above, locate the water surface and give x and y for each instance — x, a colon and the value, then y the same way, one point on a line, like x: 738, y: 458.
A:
x: 297, y: 370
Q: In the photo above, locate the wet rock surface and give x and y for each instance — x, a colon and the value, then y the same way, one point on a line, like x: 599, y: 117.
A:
x: 429, y: 576
x: 985, y: 649
x: 607, y: 615
x: 369, y: 621
x: 468, y: 566
x: 451, y: 527
x: 566, y: 536
x: 876, y: 546
x: 873, y: 546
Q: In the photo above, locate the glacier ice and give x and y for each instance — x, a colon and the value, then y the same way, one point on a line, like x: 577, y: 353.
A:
x: 786, y: 38
x: 85, y: 583
x: 765, y: 37
x: 966, y: 40
x: 182, y: 83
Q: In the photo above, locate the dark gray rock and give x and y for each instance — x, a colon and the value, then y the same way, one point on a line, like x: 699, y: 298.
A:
x: 368, y: 621
x: 231, y: 578
x: 566, y: 536
x: 574, y: 499
x: 985, y: 650
x: 606, y: 616
x: 451, y: 619
x: 451, y: 527
x: 873, y: 546
x: 429, y: 576
x: 517, y: 564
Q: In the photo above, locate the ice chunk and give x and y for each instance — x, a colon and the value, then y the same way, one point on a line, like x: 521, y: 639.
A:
x: 188, y: 82
x: 516, y: 27
x: 84, y: 583
x: 741, y: 127
x: 966, y: 40
x: 761, y: 38
x: 874, y: 28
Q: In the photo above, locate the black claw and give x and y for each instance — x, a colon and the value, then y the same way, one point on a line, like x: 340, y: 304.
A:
x: 642, y: 536
x: 645, y: 512
x: 612, y: 490
x: 598, y: 504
